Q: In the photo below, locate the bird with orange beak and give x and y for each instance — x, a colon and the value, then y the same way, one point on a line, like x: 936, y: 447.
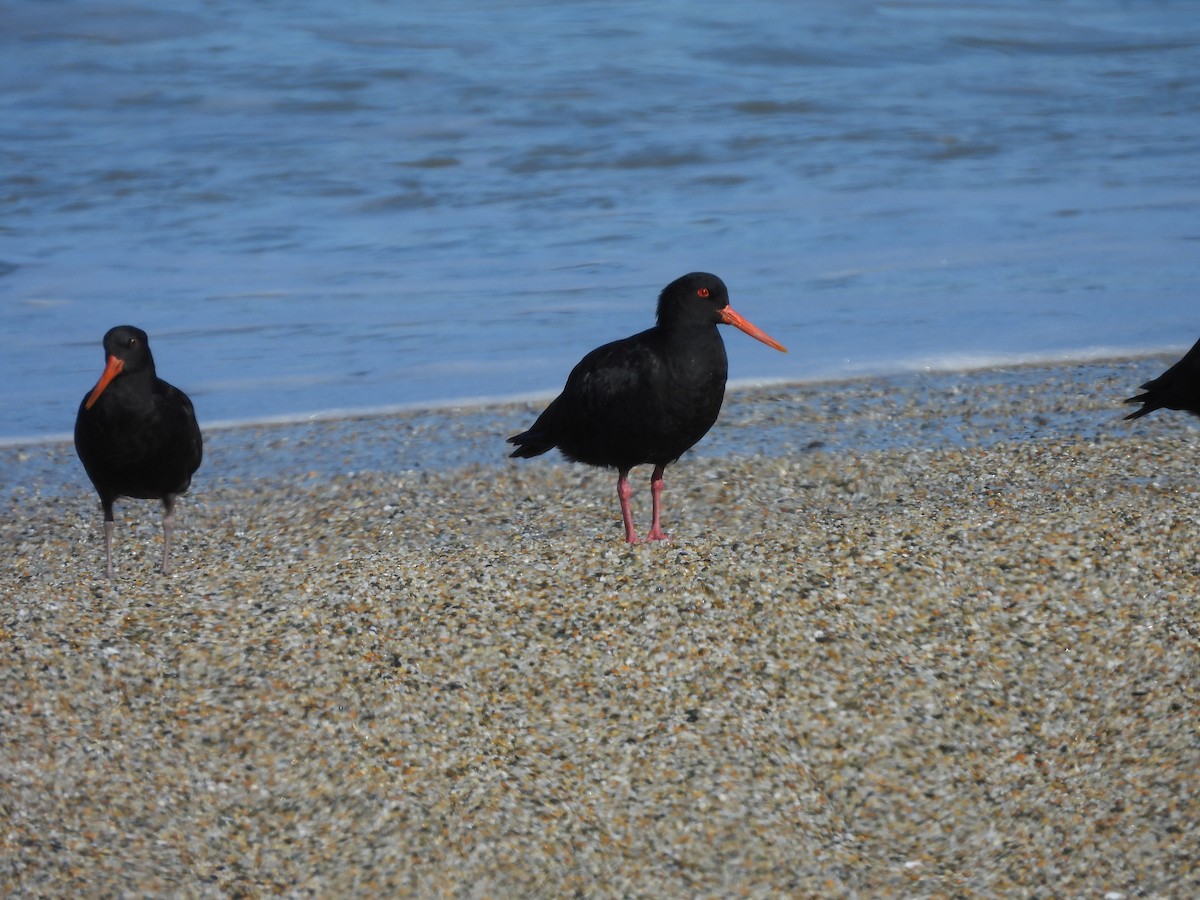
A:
x: 649, y: 398
x: 136, y: 435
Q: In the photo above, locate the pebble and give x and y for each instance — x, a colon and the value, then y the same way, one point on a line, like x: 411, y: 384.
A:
x: 961, y: 663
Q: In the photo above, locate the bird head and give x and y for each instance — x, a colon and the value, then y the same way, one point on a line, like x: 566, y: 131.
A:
x: 126, y: 349
x: 702, y: 298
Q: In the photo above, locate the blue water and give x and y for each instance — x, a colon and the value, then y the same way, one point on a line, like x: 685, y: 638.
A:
x: 314, y: 206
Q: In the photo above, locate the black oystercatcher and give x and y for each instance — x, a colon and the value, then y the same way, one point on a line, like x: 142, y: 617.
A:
x: 135, y: 434
x: 647, y: 398
x: 1176, y: 388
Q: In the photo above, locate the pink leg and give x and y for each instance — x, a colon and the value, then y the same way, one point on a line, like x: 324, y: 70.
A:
x: 656, y: 489
x: 624, y: 491
x: 109, y: 527
x: 168, y: 524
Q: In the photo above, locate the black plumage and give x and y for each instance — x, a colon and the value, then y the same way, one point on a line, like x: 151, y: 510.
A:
x: 1176, y: 388
x: 648, y: 398
x: 136, y: 435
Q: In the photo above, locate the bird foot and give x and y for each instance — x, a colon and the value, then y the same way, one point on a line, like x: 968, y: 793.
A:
x: 655, y: 534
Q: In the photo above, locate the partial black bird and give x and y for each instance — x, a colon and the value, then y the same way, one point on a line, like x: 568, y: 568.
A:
x: 647, y: 398
x: 1176, y: 388
x: 136, y: 435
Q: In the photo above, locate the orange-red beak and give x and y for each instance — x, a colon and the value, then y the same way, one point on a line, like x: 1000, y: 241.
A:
x: 111, y: 371
x: 729, y: 317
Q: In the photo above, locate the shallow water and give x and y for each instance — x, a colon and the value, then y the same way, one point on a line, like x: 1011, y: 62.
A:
x: 314, y: 207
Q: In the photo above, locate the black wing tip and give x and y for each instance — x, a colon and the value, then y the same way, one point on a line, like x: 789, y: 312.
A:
x: 528, y: 445
x: 1148, y: 407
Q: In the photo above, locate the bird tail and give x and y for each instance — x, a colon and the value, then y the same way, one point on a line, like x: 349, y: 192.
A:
x: 1150, y: 405
x: 529, y: 443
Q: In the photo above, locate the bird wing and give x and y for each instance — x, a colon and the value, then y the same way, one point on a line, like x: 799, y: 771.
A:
x: 611, y: 375
x: 179, y: 422
x: 595, y: 397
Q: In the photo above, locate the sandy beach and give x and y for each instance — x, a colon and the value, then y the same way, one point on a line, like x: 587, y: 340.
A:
x: 927, y: 636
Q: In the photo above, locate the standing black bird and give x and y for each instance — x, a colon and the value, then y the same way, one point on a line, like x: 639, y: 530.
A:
x: 647, y: 398
x: 136, y: 435
x: 1176, y: 388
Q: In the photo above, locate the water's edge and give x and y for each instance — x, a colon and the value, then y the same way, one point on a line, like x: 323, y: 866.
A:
x: 914, y: 409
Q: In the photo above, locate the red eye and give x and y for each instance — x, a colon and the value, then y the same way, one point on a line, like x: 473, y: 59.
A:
x: 701, y: 292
